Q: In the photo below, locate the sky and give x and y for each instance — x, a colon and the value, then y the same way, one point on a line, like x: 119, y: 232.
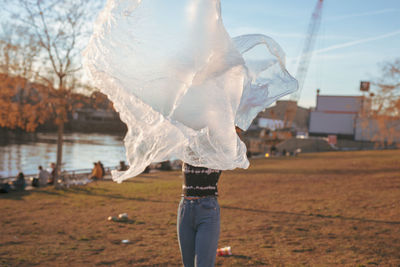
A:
x: 355, y: 38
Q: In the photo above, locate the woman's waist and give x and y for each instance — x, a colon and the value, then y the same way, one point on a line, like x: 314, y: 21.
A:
x: 197, y: 194
x: 198, y: 200
x: 198, y: 197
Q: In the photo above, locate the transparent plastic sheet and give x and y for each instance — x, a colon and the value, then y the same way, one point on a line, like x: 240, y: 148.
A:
x: 179, y: 81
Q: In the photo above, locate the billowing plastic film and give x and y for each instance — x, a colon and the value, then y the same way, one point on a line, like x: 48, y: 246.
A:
x: 179, y: 81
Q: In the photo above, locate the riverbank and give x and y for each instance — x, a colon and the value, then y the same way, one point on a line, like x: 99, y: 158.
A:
x: 79, y: 152
x: 336, y: 208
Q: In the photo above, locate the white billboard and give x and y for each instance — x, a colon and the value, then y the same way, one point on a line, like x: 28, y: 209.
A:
x: 332, y: 123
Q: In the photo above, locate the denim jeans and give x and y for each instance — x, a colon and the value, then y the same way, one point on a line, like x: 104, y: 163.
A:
x: 198, y: 231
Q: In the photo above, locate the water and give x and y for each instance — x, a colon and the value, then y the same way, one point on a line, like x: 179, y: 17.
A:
x: 79, y: 152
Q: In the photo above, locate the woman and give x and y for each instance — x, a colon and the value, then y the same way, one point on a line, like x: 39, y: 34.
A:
x: 199, y: 216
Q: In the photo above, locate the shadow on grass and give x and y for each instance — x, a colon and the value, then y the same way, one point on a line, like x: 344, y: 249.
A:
x: 347, y: 172
x: 15, y: 195
x: 157, y: 175
x: 126, y: 181
x: 10, y: 243
x: 107, y: 263
x: 79, y: 190
x: 132, y: 262
x: 104, y: 193
x: 338, y: 217
x: 246, y: 258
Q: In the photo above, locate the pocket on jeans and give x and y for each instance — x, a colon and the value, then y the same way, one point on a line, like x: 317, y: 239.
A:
x: 209, y: 204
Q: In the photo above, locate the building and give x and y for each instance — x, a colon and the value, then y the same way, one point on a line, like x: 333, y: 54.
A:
x: 275, y: 124
x: 96, y: 120
x: 337, y: 115
x: 350, y: 117
x: 289, y: 113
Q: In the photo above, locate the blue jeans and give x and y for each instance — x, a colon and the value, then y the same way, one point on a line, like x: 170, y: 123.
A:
x: 198, y: 231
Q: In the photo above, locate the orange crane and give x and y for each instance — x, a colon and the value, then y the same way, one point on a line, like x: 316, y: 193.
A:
x: 304, y: 62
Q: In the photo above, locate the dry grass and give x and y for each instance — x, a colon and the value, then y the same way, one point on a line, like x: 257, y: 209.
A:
x: 336, y: 208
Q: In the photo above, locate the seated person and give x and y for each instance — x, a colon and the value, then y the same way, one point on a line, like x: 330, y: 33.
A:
x: 43, y: 176
x: 122, y: 166
x: 19, y: 184
x: 97, y: 172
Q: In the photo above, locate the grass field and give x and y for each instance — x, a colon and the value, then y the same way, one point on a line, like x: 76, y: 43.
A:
x: 325, y: 209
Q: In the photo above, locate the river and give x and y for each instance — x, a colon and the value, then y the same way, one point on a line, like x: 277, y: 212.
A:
x: 80, y: 150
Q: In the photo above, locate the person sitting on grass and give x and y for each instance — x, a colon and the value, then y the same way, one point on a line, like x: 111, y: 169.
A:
x: 19, y: 184
x: 52, y: 174
x: 4, y: 187
x: 43, y: 176
x: 97, y: 172
x: 103, y: 171
x: 122, y: 166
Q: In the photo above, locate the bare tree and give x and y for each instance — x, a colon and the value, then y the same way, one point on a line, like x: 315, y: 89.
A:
x: 60, y: 30
x: 385, y: 111
x: 17, y: 51
x: 388, y: 93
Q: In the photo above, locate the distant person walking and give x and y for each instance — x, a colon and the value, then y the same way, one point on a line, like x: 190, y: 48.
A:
x: 44, y: 176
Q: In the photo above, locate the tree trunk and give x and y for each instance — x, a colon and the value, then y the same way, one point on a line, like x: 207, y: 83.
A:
x: 60, y: 134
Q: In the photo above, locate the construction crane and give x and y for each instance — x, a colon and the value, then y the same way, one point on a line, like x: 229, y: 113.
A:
x: 304, y: 62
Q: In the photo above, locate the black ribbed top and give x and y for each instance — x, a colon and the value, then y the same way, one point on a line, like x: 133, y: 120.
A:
x: 199, y: 181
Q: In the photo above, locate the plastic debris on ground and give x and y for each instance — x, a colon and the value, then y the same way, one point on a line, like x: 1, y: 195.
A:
x: 225, y: 251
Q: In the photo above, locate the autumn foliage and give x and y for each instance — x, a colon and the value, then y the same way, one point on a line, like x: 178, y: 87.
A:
x: 24, y: 105
x: 27, y: 105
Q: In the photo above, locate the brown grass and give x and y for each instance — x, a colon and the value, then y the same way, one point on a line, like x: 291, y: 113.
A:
x: 336, y: 208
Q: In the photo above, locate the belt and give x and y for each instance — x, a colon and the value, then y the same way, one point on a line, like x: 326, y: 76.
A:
x: 193, y: 198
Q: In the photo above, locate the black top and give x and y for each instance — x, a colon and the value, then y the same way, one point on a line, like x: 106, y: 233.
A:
x: 199, y: 181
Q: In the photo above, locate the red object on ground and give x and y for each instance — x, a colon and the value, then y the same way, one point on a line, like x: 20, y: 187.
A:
x: 225, y: 251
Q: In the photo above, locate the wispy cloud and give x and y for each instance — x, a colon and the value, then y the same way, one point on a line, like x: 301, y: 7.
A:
x: 357, y: 42
x: 371, y: 13
x: 294, y: 35
x: 294, y: 60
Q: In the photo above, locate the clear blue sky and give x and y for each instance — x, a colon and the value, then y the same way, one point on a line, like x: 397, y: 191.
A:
x: 355, y: 37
